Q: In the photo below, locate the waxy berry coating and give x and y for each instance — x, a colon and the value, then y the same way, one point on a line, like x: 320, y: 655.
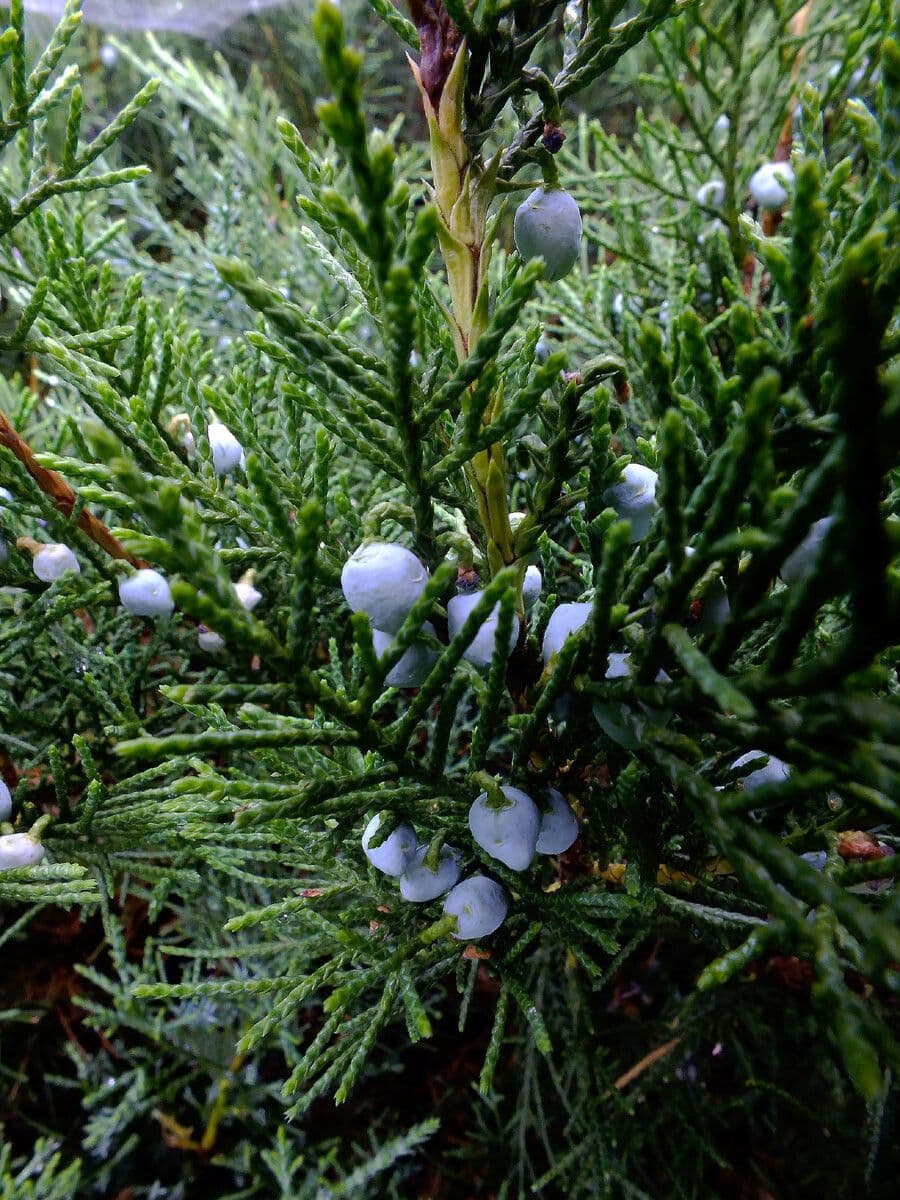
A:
x: 634, y: 498
x: 771, y: 184
x: 19, y: 850
x: 559, y: 825
x: 565, y: 620
x: 773, y: 771
x: 227, y: 452
x: 480, y: 651
x: 384, y: 581
x: 480, y: 906
x: 548, y: 226
x: 395, y: 853
x: 53, y: 561
x: 419, y: 883
x: 146, y: 593
x: 414, y: 664
x: 508, y: 834
x: 711, y: 194
x: 532, y: 586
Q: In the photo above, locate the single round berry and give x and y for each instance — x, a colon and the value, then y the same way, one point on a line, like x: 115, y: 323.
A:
x: 542, y: 351
x: 480, y: 906
x: 53, y: 561
x: 5, y: 802
x: 559, y: 825
x: 548, y: 226
x: 146, y: 594
x: 773, y: 771
x: 565, y: 620
x: 799, y: 565
x: 634, y: 499
x: 480, y: 651
x: 395, y: 853
x: 720, y: 128
x: 19, y: 850
x: 815, y: 859
x: 619, y: 666
x: 383, y: 580
x: 414, y: 665
x: 711, y: 194
x: 419, y: 883
x: 209, y: 640
x: 227, y: 451
x: 508, y: 834
x: 247, y: 594
x: 771, y: 184
x: 532, y: 586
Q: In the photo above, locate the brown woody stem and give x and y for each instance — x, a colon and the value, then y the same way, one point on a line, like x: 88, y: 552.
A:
x: 53, y: 485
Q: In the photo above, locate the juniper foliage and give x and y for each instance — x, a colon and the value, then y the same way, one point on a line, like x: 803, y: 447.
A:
x: 404, y: 376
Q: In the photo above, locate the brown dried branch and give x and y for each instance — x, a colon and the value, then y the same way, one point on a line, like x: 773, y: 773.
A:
x: 53, y: 485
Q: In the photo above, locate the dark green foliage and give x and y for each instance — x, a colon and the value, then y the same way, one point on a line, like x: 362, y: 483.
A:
x: 681, y: 989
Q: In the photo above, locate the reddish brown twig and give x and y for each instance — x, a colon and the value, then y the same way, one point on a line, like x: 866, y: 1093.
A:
x: 799, y: 25
x: 53, y: 485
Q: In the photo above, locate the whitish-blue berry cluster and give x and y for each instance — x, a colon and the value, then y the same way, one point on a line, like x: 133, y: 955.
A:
x: 394, y: 854
x: 510, y: 828
x: 400, y: 856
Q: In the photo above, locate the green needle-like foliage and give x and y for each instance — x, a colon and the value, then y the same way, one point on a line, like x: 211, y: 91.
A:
x: 393, y: 371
